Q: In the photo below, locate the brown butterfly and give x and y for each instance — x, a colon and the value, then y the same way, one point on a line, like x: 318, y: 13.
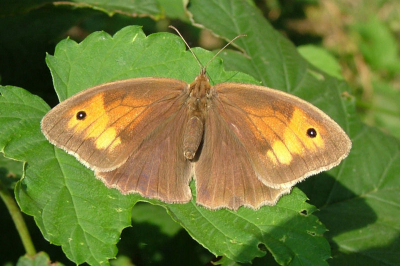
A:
x: 244, y: 145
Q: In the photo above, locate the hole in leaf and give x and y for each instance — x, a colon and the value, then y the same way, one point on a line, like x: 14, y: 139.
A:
x: 304, y: 212
x: 311, y: 233
x: 215, y: 260
x: 262, y: 247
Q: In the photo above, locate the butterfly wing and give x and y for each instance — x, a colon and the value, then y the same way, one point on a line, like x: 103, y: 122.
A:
x: 224, y: 173
x: 285, y: 138
x: 104, y: 125
x: 157, y: 168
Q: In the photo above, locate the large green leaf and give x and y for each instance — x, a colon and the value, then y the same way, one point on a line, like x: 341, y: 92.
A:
x: 75, y: 210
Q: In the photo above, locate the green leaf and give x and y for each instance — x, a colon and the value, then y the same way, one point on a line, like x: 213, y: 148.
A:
x: 385, y: 107
x: 378, y: 45
x: 174, y: 9
x: 237, y: 235
x: 155, y: 216
x: 129, y: 8
x: 321, y: 59
x: 19, y: 117
x: 122, y: 261
x: 76, y: 211
x: 40, y: 259
x: 152, y: 8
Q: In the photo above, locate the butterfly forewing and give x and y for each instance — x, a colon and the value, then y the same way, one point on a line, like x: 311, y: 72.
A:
x: 286, y: 138
x: 104, y: 125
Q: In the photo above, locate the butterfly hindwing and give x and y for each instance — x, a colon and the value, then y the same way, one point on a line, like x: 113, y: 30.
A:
x: 224, y: 174
x: 157, y: 169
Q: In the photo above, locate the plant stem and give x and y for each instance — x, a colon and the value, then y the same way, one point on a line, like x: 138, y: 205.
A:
x: 18, y: 220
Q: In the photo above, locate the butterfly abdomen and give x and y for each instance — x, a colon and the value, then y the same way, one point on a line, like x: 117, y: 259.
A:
x: 193, y: 136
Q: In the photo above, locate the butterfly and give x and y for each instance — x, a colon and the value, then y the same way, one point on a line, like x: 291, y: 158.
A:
x: 243, y: 144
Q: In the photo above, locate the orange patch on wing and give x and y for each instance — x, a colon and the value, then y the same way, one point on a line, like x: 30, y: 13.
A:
x: 287, y: 135
x: 282, y: 152
x: 98, y: 120
x: 272, y: 130
x: 264, y: 126
x: 144, y: 101
x: 298, y: 125
x: 292, y: 142
x: 108, y: 139
x: 93, y: 111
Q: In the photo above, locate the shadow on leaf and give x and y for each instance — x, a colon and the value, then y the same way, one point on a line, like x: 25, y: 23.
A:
x: 156, y: 239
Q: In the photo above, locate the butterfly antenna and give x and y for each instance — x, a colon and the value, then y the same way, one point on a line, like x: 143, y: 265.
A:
x: 229, y: 43
x: 190, y: 49
x: 203, y: 69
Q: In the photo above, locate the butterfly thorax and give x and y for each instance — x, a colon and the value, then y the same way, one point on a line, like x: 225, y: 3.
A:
x: 197, y: 111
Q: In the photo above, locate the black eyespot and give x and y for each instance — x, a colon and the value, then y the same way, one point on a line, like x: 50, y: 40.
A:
x: 81, y: 115
x: 311, y: 132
